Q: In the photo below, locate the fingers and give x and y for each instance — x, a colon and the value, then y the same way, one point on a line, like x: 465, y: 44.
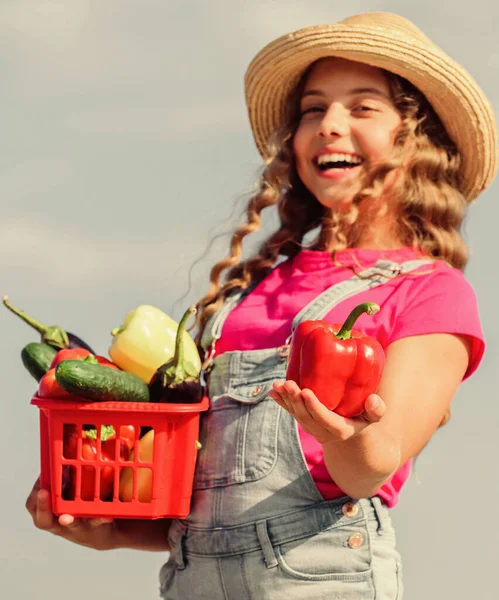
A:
x: 303, y: 406
x: 43, y: 517
x: 71, y: 523
x: 290, y: 398
x: 332, y: 426
x: 287, y: 394
x: 39, y: 506
x: 319, y: 421
x: 32, y: 498
x: 94, y: 523
x: 68, y: 521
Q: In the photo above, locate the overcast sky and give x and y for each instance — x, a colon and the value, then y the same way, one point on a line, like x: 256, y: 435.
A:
x: 125, y: 149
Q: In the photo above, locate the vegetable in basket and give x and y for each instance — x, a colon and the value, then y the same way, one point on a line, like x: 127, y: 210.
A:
x: 52, y: 335
x: 177, y: 381
x: 144, y: 474
x: 146, y: 340
x: 89, y: 453
x: 50, y: 387
x: 99, y: 383
x: 37, y: 357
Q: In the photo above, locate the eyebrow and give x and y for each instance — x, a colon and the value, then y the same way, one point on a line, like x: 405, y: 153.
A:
x: 353, y: 92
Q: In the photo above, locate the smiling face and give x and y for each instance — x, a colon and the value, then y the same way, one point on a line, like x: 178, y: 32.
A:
x: 348, y: 122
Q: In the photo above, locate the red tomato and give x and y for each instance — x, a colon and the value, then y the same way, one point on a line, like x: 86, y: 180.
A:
x: 49, y: 388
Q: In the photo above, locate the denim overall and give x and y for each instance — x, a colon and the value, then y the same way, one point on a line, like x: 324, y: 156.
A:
x: 259, y: 529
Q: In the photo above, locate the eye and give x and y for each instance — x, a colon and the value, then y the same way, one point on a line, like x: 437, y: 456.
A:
x: 364, y: 108
x: 311, y: 109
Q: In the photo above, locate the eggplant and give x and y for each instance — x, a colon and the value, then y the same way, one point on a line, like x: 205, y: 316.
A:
x: 185, y: 392
x: 52, y: 335
x: 177, y: 381
x: 75, y: 342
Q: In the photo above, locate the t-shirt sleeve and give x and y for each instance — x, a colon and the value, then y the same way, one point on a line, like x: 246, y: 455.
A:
x: 444, y: 302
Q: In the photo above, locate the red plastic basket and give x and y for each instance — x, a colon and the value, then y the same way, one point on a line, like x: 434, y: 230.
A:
x: 176, y: 430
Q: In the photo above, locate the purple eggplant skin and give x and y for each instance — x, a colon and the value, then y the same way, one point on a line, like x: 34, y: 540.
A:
x: 76, y: 342
x: 186, y: 392
x: 68, y: 483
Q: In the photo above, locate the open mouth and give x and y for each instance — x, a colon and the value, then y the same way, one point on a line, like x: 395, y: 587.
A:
x: 324, y: 162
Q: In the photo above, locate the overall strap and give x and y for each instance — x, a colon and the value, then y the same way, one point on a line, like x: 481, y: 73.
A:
x: 368, y: 279
x: 382, y: 272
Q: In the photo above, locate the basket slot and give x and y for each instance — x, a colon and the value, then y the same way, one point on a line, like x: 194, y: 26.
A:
x: 139, y: 482
x: 68, y: 479
x: 136, y: 480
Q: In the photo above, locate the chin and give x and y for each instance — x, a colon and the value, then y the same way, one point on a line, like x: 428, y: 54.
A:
x: 338, y: 197
x: 336, y: 204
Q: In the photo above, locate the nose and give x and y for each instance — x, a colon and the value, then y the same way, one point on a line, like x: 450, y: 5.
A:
x: 334, y: 122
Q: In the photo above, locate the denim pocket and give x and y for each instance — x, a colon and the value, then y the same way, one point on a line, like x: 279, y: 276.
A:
x: 238, y: 435
x: 328, y: 556
x: 166, y: 576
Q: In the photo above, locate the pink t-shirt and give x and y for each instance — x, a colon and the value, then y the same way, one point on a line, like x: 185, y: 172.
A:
x: 438, y: 300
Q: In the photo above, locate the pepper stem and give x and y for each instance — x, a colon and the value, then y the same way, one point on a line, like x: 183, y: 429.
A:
x: 90, y: 359
x: 346, y: 331
x: 55, y: 336
x: 178, y: 358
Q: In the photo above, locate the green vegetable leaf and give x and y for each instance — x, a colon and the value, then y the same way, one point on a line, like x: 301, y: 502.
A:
x: 106, y: 432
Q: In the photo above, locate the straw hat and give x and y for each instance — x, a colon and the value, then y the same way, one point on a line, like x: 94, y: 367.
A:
x: 390, y: 42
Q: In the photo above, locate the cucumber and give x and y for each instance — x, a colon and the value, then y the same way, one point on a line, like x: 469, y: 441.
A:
x: 100, y: 383
x: 37, y: 358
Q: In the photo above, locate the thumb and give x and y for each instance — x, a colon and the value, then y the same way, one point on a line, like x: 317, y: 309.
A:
x: 374, y: 408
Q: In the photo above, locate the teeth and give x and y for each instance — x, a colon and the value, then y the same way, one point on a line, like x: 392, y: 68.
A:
x: 336, y: 157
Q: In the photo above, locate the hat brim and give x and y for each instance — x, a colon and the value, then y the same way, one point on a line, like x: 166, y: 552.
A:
x: 454, y: 95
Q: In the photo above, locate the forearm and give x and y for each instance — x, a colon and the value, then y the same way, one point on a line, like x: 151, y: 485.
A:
x: 142, y: 534
x: 361, y: 464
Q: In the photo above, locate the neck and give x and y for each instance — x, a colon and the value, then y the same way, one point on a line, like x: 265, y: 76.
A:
x: 379, y: 236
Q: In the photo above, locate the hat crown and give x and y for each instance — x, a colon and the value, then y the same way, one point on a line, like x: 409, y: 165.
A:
x: 389, y: 22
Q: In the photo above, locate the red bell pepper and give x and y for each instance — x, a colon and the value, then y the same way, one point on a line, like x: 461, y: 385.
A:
x: 89, y: 452
x: 50, y: 388
x: 341, y: 366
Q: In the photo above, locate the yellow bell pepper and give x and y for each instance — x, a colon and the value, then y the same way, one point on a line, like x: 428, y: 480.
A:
x: 144, y: 475
x: 146, y: 341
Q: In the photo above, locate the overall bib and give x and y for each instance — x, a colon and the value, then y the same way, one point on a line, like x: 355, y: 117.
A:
x: 259, y: 529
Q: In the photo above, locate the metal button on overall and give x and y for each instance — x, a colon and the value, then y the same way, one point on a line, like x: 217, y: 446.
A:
x: 349, y: 509
x: 356, y: 540
x: 257, y: 390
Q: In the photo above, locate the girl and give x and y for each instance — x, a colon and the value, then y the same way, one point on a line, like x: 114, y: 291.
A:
x: 374, y: 144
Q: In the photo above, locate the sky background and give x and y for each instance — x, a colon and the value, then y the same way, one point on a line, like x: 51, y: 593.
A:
x: 125, y: 151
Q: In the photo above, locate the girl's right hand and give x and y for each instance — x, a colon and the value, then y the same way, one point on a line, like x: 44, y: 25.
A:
x: 317, y: 420
x: 99, y: 534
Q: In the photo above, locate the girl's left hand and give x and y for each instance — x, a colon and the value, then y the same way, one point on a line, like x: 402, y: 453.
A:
x: 317, y: 420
